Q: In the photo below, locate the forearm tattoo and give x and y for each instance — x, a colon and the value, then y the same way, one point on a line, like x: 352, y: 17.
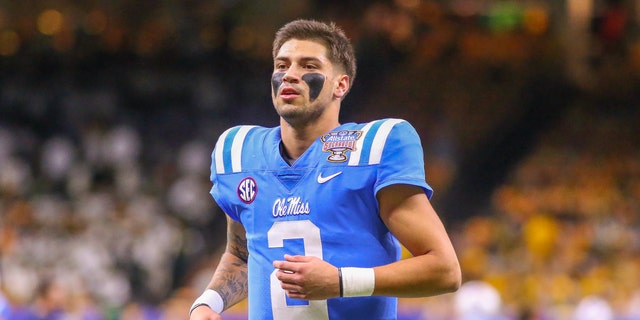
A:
x: 231, y: 275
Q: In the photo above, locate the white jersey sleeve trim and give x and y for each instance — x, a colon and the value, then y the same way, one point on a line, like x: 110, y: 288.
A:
x: 236, y: 148
x: 380, y: 140
x: 219, y: 153
x: 354, y: 157
x: 232, y: 152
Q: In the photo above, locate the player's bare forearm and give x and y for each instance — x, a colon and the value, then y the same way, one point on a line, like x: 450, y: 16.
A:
x: 420, y: 276
x: 230, y: 277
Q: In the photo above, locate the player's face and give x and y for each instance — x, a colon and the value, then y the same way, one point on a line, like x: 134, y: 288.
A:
x: 303, y: 80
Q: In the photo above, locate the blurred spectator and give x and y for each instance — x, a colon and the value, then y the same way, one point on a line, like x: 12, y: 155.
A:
x: 478, y: 300
x: 593, y: 308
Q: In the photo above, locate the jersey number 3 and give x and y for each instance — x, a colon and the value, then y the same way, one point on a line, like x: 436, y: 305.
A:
x: 310, y: 235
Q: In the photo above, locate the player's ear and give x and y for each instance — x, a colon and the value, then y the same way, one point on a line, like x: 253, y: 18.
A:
x: 342, y: 86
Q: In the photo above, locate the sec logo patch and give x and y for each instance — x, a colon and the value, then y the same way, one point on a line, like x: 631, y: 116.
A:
x: 247, y: 190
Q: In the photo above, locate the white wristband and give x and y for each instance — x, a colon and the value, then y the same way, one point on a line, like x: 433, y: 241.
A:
x: 357, y: 282
x: 209, y: 298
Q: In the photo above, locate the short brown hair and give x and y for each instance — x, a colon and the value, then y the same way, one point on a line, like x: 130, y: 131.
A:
x: 339, y: 47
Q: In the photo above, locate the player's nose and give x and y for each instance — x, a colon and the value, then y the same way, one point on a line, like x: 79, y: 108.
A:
x: 292, y: 75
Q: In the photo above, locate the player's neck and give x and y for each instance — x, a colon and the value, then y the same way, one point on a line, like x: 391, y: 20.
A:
x: 285, y: 155
x: 297, y: 140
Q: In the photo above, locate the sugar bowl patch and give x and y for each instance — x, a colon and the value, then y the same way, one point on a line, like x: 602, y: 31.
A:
x: 338, y: 143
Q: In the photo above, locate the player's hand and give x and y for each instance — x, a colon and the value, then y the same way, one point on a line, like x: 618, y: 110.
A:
x: 306, y: 277
x: 204, y: 313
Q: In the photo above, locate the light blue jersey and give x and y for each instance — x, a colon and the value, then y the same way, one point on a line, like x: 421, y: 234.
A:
x: 323, y: 205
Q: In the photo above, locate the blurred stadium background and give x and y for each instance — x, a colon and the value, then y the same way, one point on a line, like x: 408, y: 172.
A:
x: 528, y: 111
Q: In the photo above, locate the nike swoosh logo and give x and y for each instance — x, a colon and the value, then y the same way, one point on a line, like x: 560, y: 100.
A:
x: 322, y: 179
